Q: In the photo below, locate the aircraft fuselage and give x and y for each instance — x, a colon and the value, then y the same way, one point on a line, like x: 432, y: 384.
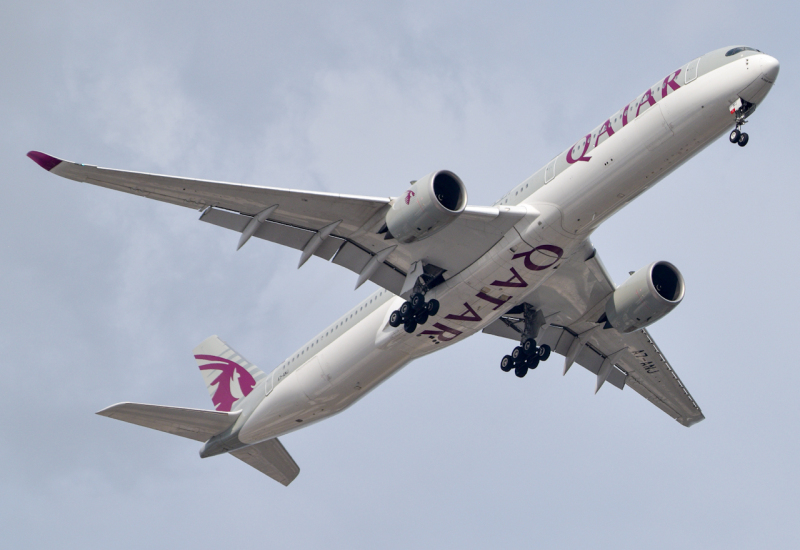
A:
x: 564, y: 202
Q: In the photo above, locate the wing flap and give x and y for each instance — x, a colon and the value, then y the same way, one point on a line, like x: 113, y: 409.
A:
x: 270, y: 458
x: 196, y: 424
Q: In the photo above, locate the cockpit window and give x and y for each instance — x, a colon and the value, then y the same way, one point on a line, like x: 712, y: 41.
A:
x: 740, y: 49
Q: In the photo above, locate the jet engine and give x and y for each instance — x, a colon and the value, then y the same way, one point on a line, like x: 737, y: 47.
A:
x: 647, y: 296
x: 430, y: 205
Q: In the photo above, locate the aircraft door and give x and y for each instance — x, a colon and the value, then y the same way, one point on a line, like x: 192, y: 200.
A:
x: 550, y: 171
x: 269, y: 383
x: 691, y: 71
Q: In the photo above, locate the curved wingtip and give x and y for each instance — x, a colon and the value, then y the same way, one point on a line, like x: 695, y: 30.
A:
x: 45, y: 161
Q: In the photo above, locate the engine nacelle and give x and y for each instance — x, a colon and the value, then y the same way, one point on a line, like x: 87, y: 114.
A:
x: 647, y: 296
x: 430, y: 205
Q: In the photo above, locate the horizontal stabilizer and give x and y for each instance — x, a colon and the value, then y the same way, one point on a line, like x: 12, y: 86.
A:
x: 271, y: 458
x: 196, y: 424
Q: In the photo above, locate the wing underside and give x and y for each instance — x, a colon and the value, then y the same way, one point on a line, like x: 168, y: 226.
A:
x: 572, y: 301
x: 295, y: 218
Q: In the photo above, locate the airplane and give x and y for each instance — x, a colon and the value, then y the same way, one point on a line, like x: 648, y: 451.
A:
x: 522, y: 269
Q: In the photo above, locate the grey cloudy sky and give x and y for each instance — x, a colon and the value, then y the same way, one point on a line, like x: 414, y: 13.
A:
x: 104, y: 295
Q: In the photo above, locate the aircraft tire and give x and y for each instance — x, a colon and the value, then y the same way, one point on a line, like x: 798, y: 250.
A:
x: 521, y: 370
x: 433, y: 307
x: 410, y: 326
x: 735, y: 134
x: 395, y: 319
x: 532, y: 362
x: 422, y: 317
x: 743, y: 139
x: 507, y: 363
x: 405, y: 309
x: 543, y: 353
x: 529, y: 346
x: 518, y: 353
x: 417, y: 301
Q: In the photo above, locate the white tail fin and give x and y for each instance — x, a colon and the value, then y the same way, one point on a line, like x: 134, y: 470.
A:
x: 228, y: 376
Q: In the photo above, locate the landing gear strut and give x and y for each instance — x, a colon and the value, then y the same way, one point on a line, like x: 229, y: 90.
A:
x: 415, y: 311
x: 742, y: 110
x: 527, y: 355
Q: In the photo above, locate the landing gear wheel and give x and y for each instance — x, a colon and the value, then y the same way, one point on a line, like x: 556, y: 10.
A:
x: 433, y: 307
x: 410, y: 326
x: 395, y: 319
x: 543, y: 352
x: 521, y: 370
x: 529, y: 346
x: 517, y: 354
x: 422, y: 317
x: 532, y: 362
x: 735, y: 135
x: 417, y: 301
x: 405, y: 309
x: 743, y: 139
x: 507, y: 363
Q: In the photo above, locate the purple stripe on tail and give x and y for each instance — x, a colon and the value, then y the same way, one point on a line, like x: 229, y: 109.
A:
x: 45, y: 161
x: 230, y: 373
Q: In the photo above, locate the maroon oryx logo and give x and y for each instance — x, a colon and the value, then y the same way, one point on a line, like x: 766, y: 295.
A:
x: 230, y: 373
x: 409, y: 194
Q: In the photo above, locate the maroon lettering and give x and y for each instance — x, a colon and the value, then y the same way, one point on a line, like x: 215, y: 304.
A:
x: 470, y: 315
x: 646, y: 98
x: 586, y: 144
x: 492, y: 299
x: 605, y: 129
x: 544, y: 247
x: 669, y: 82
x: 625, y: 115
x: 440, y: 334
x: 514, y: 275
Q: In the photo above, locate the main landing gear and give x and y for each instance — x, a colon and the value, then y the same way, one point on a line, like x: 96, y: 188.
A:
x: 525, y: 357
x: 414, y: 312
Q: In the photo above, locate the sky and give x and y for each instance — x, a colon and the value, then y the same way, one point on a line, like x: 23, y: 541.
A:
x: 104, y: 295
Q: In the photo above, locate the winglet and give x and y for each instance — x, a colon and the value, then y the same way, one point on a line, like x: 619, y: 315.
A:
x: 45, y: 161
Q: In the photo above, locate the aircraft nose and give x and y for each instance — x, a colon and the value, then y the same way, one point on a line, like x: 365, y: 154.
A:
x: 769, y: 68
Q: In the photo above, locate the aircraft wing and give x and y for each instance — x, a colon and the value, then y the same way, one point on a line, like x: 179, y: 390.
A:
x: 341, y: 228
x: 572, y: 300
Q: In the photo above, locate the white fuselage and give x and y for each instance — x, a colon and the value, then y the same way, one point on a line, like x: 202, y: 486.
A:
x: 604, y: 171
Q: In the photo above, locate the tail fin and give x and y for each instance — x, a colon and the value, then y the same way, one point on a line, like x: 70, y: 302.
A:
x: 228, y: 376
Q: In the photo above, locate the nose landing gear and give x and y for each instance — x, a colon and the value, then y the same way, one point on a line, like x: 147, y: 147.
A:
x: 414, y: 312
x: 737, y: 136
x: 742, y: 109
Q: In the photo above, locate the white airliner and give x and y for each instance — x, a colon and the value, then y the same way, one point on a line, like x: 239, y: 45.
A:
x: 522, y: 269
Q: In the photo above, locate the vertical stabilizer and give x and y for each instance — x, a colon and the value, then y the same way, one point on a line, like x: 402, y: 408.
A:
x: 228, y: 376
